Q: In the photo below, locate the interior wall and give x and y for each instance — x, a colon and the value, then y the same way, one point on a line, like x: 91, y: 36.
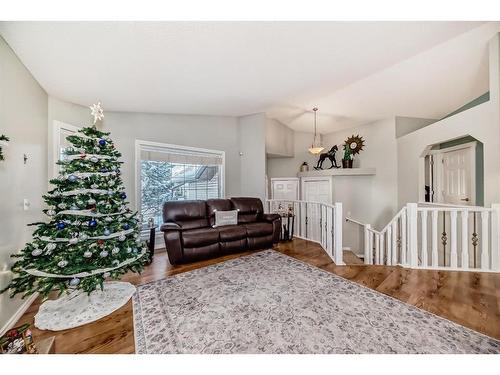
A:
x: 368, y: 199
x: 290, y: 166
x: 252, y: 144
x: 23, y: 118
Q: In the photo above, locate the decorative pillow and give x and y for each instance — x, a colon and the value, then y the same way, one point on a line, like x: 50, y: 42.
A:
x: 226, y: 218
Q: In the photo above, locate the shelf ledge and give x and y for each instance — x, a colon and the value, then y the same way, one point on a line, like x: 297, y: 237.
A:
x: 339, y: 172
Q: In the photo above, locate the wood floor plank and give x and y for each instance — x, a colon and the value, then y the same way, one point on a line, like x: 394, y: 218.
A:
x: 468, y: 298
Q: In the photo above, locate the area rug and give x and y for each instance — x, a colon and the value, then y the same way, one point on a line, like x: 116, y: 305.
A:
x: 271, y: 303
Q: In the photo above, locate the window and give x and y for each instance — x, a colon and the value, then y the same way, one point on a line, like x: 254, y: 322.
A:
x: 173, y: 173
x: 59, y: 143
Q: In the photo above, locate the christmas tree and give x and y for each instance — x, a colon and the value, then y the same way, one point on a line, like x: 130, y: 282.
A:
x: 91, y: 235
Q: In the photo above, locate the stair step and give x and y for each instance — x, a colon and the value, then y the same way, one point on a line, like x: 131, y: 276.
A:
x: 351, y: 259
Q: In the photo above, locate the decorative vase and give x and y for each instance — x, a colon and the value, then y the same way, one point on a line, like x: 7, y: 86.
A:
x: 304, y: 167
x: 346, y: 163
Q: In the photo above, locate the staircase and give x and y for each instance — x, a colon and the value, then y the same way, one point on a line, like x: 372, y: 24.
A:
x: 420, y: 236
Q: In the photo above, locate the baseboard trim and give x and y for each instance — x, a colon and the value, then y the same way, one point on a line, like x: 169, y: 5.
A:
x: 17, y: 315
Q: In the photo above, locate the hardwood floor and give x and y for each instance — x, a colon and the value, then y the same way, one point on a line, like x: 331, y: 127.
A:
x: 468, y: 298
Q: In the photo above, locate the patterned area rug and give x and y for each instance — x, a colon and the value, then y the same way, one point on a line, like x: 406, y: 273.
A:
x: 271, y: 303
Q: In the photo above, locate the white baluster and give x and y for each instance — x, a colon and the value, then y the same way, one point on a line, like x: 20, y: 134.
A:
x: 412, y: 217
x: 394, y: 242
x: 495, y: 237
x: 453, y: 239
x: 424, y: 238
x: 338, y: 255
x: 367, y: 242
x: 434, y: 238
x: 465, y: 238
x: 485, y: 264
x: 389, y: 245
x: 382, y: 248
x: 403, y: 237
x: 377, y: 249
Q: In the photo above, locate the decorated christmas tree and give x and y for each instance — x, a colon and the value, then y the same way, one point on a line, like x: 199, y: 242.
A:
x: 91, y: 235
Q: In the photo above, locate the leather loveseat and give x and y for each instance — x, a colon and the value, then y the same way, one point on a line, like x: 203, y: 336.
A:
x: 190, y: 236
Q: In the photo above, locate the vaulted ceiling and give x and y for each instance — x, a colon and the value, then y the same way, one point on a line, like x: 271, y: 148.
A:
x: 356, y: 72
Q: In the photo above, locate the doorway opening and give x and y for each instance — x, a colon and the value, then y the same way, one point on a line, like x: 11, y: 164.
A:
x: 453, y: 172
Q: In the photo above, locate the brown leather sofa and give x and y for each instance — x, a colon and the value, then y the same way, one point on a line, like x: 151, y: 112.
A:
x: 189, y: 235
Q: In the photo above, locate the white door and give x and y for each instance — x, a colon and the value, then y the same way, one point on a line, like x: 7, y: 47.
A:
x: 458, y: 177
x: 315, y: 190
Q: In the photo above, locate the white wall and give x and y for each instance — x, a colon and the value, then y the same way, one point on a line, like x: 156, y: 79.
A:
x: 368, y: 199
x: 406, y: 125
x: 279, y: 139
x: 290, y: 166
x: 481, y: 122
x: 252, y: 143
x: 23, y: 118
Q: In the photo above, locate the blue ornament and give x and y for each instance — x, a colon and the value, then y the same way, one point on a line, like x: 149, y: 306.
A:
x: 107, y: 232
x: 74, y: 281
x: 125, y: 226
x: 103, y: 170
x: 102, y: 142
x: 92, y: 223
x: 123, y: 196
x: 60, y: 225
x: 72, y: 178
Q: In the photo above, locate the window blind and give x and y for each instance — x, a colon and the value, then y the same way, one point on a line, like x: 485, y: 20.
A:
x: 179, y: 156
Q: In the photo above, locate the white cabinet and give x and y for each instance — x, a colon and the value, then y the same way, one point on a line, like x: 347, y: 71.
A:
x: 285, y: 188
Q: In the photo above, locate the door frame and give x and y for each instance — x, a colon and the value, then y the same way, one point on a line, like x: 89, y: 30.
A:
x: 438, y: 170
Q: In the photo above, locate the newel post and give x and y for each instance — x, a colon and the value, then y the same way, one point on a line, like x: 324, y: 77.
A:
x: 495, y: 237
x: 337, y: 226
x: 411, y: 209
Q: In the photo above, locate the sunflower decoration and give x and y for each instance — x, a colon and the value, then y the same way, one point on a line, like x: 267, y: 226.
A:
x: 4, y: 141
x: 355, y: 144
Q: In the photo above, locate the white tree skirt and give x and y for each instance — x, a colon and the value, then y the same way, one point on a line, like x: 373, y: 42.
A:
x: 76, y: 309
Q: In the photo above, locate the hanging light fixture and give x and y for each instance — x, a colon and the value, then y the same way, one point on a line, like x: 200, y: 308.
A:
x: 316, y: 147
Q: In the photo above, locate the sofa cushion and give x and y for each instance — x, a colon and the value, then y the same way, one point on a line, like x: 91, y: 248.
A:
x: 249, y: 209
x: 187, y: 214
x: 232, y: 232
x: 259, y: 229
x: 200, y: 237
x: 219, y: 205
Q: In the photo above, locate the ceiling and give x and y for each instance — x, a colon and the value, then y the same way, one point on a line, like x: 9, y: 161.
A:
x: 356, y: 72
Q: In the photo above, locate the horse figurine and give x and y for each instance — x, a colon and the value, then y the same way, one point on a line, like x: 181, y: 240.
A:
x: 330, y: 155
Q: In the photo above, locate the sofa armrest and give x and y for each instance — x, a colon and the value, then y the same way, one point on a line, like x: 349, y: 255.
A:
x: 170, y: 226
x: 271, y: 217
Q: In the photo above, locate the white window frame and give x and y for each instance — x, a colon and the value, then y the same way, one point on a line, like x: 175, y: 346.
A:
x: 55, y: 145
x: 139, y: 143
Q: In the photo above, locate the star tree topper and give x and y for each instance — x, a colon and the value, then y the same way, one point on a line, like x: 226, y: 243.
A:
x: 97, y: 112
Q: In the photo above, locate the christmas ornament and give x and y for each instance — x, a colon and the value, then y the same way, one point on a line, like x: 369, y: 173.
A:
x: 121, y: 238
x: 62, y: 263
x: 102, y: 142
x: 94, y: 186
x: 36, y: 252
x: 103, y: 254
x: 73, y: 241
x: 72, y: 178
x: 115, y: 250
x: 107, y: 232
x: 91, y: 201
x: 111, y: 183
x: 60, y: 225
x: 62, y: 206
x: 125, y: 226
x: 92, y: 223
x: 87, y: 254
x: 83, y: 236
x: 51, y: 246
x: 109, y: 219
x: 74, y: 208
x: 51, y: 212
x: 116, y: 262
x: 94, y: 159
x: 129, y: 250
x: 74, y: 281
x: 106, y: 274
x: 123, y: 195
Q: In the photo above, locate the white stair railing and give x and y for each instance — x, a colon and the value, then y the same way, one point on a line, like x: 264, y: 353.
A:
x: 315, y: 221
x: 433, y: 236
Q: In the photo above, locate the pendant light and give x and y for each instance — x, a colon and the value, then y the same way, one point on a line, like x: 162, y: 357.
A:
x: 316, y: 147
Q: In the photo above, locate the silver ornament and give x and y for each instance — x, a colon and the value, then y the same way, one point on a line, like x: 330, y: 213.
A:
x: 91, y: 201
x: 77, y: 222
x: 74, y: 281
x: 109, y: 219
x: 121, y: 237
x: 115, y: 250
x: 94, y: 159
x: 74, y: 208
x: 94, y: 186
x: 51, y: 246
x: 116, y: 262
x: 51, y: 212
x: 103, y: 254
x: 36, y: 252
x: 62, y: 263
x: 87, y: 254
x: 111, y: 183
x: 84, y: 236
x: 106, y: 274
x: 62, y: 205
x: 73, y: 241
x: 129, y: 250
